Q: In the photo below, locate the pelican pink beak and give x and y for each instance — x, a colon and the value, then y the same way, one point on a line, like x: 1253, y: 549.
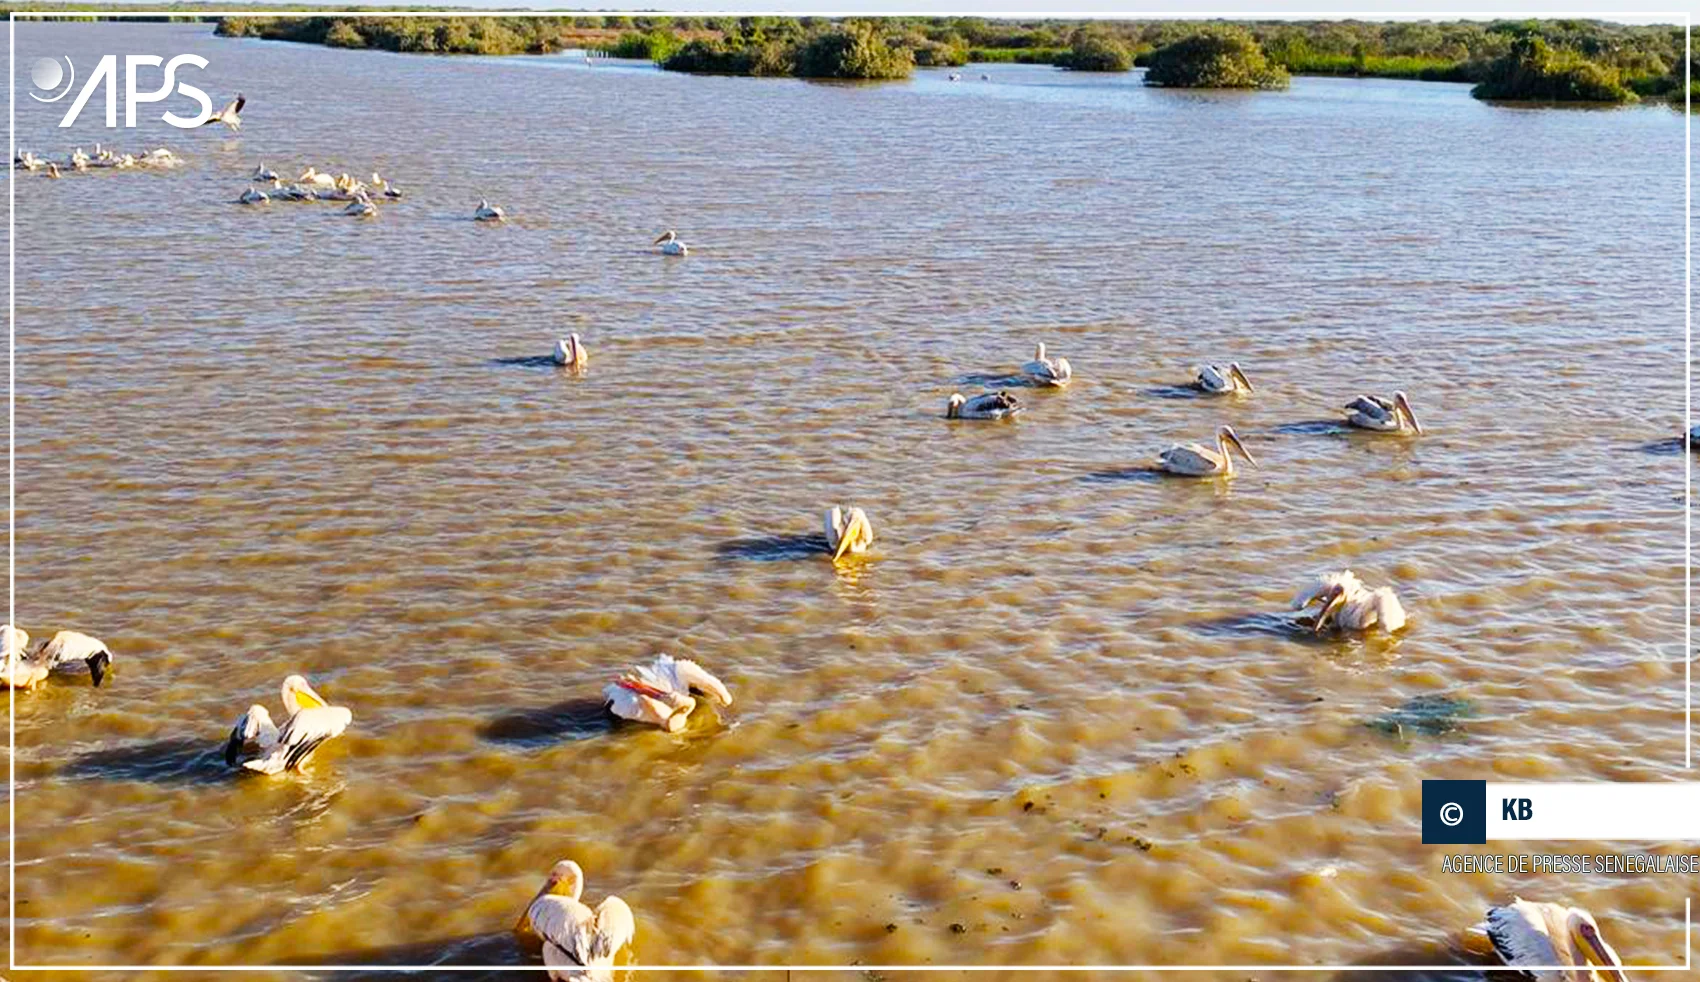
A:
x: 1404, y: 406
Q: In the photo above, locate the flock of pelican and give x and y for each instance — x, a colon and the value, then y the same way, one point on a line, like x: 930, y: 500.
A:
x: 104, y: 158
x: 580, y: 942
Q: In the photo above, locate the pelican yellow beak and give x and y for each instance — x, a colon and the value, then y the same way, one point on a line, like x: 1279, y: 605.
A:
x: 309, y: 699
x: 845, y: 539
x: 1235, y: 440
x: 1404, y: 406
x: 1335, y: 600
x: 1234, y: 370
x: 1596, y: 952
x: 661, y: 238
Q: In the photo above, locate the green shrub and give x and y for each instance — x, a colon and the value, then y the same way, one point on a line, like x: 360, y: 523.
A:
x: 1215, y: 58
x: 852, y: 51
x: 1025, y: 56
x: 1533, y: 71
x: 343, y: 35
x: 1097, y: 53
x: 706, y: 57
x: 656, y: 45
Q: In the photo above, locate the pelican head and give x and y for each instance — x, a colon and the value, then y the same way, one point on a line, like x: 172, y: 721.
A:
x: 566, y: 878
x: 98, y: 663
x: 1586, y: 935
x: 1234, y: 371
x: 1332, y: 601
x: 1228, y: 438
x: 699, y: 680
x: 1064, y: 370
x: 298, y: 695
x: 667, y: 236
x: 308, y: 174
x: 1403, y: 405
x: 953, y: 409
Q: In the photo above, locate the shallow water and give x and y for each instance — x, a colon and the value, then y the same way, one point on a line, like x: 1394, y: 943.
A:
x: 255, y: 441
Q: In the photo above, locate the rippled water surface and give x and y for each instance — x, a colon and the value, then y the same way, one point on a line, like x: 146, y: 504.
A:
x: 1056, y: 716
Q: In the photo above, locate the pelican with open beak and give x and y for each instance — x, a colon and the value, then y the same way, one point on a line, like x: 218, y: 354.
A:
x: 1346, y: 604
x: 848, y: 532
x: 671, y: 244
x: 570, y: 353
x: 662, y: 693
x: 578, y: 943
x: 1383, y: 415
x: 1193, y: 460
x: 1525, y: 933
x: 1214, y: 380
x: 272, y: 750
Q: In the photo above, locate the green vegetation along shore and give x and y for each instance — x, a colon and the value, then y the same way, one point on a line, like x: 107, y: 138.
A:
x: 1531, y: 60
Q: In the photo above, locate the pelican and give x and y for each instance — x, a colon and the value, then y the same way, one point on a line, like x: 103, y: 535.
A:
x: 1214, y: 380
x: 1194, y: 460
x: 79, y: 160
x: 53, y: 170
x: 69, y: 648
x: 27, y: 160
x: 955, y: 76
x: 1043, y: 371
x: 1382, y: 415
x: 159, y: 157
x: 292, y: 192
x: 671, y: 244
x: 311, y: 722
x: 1346, y: 604
x: 486, y: 212
x: 312, y: 178
x: 361, y: 207
x: 1535, y: 934
x: 262, y: 173
x: 230, y: 115
x: 662, y: 693
x: 253, y: 196
x: 848, y: 531
x: 570, y: 353
x: 389, y: 190
x: 20, y: 670
x: 578, y: 943
x: 987, y: 405
x: 125, y: 162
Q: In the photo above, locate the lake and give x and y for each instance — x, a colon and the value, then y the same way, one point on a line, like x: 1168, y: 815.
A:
x: 1057, y: 715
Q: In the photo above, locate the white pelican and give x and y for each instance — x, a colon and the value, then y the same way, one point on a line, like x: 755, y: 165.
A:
x: 53, y: 170
x: 20, y: 670
x: 230, y: 115
x: 1348, y: 605
x: 1216, y: 381
x: 661, y: 693
x: 361, y: 207
x: 486, y: 212
x: 1382, y: 415
x: 311, y: 722
x: 253, y: 196
x: 1194, y: 460
x: 987, y: 405
x: 159, y: 157
x: 578, y: 943
x: 79, y: 160
x: 848, y: 532
x: 312, y: 178
x: 125, y: 162
x: 1043, y: 371
x: 71, y: 649
x: 389, y: 190
x: 1535, y: 934
x: 671, y: 244
x: 569, y: 352
x: 27, y: 160
x: 262, y: 173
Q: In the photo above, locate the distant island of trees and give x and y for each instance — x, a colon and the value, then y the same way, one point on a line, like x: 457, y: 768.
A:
x: 1532, y: 60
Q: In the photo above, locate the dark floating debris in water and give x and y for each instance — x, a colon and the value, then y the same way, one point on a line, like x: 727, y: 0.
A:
x: 1435, y: 715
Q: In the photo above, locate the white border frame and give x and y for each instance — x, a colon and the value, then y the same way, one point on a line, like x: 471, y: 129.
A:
x: 1391, y: 16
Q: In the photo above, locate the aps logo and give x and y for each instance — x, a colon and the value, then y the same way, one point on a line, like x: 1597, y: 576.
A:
x: 47, y: 74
